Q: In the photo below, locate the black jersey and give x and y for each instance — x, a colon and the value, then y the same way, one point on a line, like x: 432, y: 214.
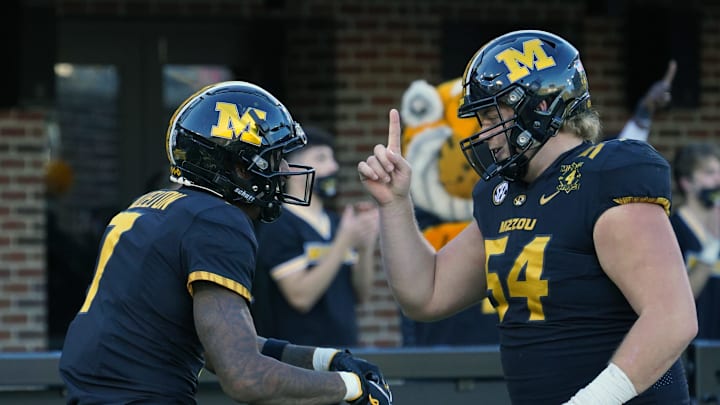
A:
x: 134, y: 339
x: 561, y: 317
x: 292, y: 244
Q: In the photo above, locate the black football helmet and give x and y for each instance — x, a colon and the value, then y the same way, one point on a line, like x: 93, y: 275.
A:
x: 231, y: 138
x: 520, y: 70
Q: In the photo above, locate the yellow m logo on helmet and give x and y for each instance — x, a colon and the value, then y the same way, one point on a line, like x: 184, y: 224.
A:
x: 231, y: 125
x: 533, y: 56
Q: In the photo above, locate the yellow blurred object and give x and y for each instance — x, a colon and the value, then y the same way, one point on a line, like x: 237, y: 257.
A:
x: 58, y: 177
x: 456, y: 174
x: 439, y: 235
x: 427, y: 108
x: 451, y: 94
x: 431, y: 143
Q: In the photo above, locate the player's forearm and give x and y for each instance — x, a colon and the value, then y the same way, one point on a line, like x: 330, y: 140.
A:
x: 654, y: 343
x: 299, y: 356
x: 309, y: 357
x: 224, y: 327
x: 264, y: 380
x: 408, y: 260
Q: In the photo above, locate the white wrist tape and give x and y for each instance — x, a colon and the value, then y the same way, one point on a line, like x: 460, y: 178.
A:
x: 710, y: 252
x: 353, y: 386
x: 322, y: 357
x: 611, y: 387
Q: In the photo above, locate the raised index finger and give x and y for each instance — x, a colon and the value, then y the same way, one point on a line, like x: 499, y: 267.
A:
x: 394, y: 132
x: 670, y: 72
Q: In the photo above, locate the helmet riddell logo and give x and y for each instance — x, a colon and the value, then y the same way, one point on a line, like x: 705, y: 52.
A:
x: 533, y: 56
x: 244, y: 194
x: 231, y: 125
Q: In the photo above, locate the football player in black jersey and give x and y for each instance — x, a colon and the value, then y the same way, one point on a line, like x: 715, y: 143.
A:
x: 173, y: 277
x: 571, y: 240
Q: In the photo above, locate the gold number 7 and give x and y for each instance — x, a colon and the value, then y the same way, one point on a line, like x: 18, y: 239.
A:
x: 121, y: 223
x: 532, y: 287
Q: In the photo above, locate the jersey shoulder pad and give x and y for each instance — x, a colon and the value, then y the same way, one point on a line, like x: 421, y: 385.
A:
x: 632, y: 171
x: 618, y: 153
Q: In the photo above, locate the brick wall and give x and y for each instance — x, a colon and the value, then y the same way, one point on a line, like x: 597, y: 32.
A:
x: 379, y: 46
x: 22, y: 248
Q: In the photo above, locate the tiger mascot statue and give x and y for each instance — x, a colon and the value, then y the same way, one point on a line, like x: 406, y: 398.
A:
x: 443, y: 181
x: 441, y: 190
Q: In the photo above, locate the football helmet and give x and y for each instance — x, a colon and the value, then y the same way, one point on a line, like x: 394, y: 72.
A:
x: 521, y: 70
x: 231, y: 138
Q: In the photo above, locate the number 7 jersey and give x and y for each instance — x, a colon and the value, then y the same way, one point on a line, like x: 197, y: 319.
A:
x: 134, y: 339
x: 561, y: 317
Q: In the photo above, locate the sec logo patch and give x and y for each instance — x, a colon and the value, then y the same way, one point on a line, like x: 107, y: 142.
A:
x: 500, y: 192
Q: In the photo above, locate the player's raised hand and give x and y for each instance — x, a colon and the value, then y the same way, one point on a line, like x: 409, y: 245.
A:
x: 670, y: 73
x: 386, y: 174
x: 659, y: 94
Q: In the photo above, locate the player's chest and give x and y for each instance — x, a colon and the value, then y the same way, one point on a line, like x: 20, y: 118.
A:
x: 554, y: 207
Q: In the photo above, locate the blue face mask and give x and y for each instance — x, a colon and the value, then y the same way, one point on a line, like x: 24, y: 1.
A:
x: 709, y: 197
x: 326, y: 187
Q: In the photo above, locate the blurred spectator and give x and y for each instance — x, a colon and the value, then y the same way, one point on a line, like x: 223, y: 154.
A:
x: 314, y: 266
x: 696, y: 169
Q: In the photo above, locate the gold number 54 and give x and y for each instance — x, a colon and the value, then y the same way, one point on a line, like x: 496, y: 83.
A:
x: 532, y: 287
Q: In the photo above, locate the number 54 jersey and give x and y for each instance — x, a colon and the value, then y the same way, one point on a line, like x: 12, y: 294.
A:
x: 561, y: 317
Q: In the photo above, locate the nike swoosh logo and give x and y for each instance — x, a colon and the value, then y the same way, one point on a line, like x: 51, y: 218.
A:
x: 544, y: 200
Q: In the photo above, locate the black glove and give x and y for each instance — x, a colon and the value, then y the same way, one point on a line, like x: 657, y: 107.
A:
x: 375, y: 390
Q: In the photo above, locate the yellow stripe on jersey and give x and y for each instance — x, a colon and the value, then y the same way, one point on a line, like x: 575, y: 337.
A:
x: 592, y: 151
x: 314, y: 252
x: 662, y: 201
x: 231, y: 285
x: 693, y: 260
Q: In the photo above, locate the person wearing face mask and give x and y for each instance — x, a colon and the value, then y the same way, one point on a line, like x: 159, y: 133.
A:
x: 697, y: 226
x: 317, y: 265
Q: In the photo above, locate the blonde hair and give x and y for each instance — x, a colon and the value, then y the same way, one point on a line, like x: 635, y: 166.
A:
x: 585, y: 125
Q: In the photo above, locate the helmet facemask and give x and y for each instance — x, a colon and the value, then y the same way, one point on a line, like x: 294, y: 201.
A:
x: 520, y: 138
x: 245, y: 176
x: 540, y: 78
x: 266, y: 186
